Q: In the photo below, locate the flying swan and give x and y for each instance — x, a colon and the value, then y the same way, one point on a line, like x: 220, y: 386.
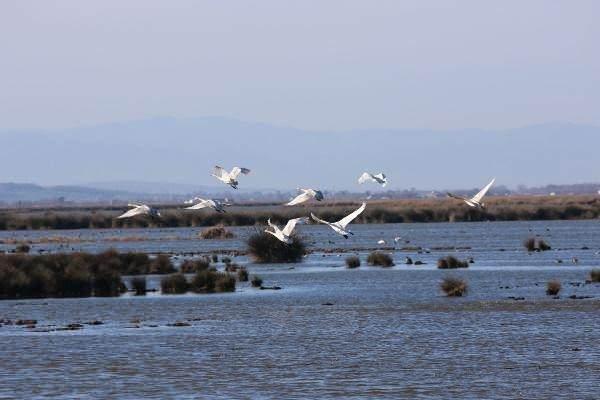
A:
x: 229, y: 178
x: 216, y: 205
x: 285, y: 234
x: 475, y: 201
x: 305, y: 196
x: 140, y: 209
x: 340, y: 226
x: 379, y: 178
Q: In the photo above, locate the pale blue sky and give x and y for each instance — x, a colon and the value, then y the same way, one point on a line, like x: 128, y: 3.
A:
x: 307, y: 64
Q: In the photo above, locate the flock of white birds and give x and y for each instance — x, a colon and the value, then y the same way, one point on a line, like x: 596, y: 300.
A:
x: 285, y: 235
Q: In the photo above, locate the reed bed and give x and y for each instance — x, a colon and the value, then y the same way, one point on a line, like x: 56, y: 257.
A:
x: 510, y: 208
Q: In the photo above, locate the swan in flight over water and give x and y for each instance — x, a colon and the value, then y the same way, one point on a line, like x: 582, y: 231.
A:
x: 379, y: 178
x: 216, y: 205
x: 140, y: 209
x: 285, y: 234
x: 229, y: 178
x: 340, y: 226
x: 475, y: 201
x: 305, y: 196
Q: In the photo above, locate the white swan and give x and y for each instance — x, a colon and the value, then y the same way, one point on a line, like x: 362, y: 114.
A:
x: 340, y: 226
x: 216, y: 205
x: 140, y: 209
x: 379, y: 178
x: 285, y: 234
x: 475, y: 201
x: 305, y: 196
x: 229, y: 178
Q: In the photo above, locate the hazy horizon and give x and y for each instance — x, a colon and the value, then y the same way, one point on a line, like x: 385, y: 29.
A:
x: 306, y: 94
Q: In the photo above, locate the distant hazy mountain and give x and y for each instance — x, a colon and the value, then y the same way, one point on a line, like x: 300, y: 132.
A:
x: 14, y: 192
x: 184, y: 151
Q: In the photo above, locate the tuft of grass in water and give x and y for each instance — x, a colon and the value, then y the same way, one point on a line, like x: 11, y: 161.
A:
x: 193, y: 266
x: 264, y: 248
x: 210, y: 281
x: 454, y: 287
x: 451, y: 262
x: 174, y: 284
x: 380, y: 258
x: 256, y: 281
x: 22, y: 248
x: 242, y: 274
x: 595, y: 275
x: 553, y: 287
x: 531, y: 244
x: 543, y: 246
x: 216, y: 232
x: 138, y: 284
x: 224, y: 283
x: 352, y: 262
x: 107, y: 282
x: 162, y: 265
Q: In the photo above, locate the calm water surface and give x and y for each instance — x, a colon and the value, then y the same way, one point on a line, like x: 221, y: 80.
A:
x: 330, y: 332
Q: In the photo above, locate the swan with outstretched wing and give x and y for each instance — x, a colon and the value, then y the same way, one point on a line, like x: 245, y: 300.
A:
x: 340, y: 226
x: 218, y: 206
x: 306, y: 195
x: 229, y: 178
x: 475, y: 201
x: 139, y: 209
x: 379, y: 178
x: 285, y: 234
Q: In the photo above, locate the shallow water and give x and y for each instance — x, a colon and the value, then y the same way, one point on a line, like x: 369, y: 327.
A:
x: 330, y: 332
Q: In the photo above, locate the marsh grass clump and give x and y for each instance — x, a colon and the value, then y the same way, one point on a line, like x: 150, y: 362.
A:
x: 216, y: 232
x: 264, y: 248
x: 454, y: 287
x: 224, y: 283
x: 174, y: 284
x: 23, y: 248
x: 451, y: 262
x: 193, y: 266
x: 543, y: 246
x: 381, y: 259
x: 352, y: 262
x: 107, y: 282
x: 162, y: 265
x: 595, y: 275
x: 242, y: 274
x: 553, y: 287
x: 210, y: 281
x: 256, y: 281
x: 138, y: 284
x: 531, y: 244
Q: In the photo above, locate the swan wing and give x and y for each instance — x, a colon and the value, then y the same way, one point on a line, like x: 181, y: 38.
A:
x: 131, y: 213
x: 236, y: 171
x: 291, y: 224
x: 220, y: 173
x: 272, y: 225
x: 365, y: 177
x: 198, y: 206
x: 349, y: 218
x: 301, y: 198
x: 479, y: 196
x: 317, y: 219
x: 456, y: 196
